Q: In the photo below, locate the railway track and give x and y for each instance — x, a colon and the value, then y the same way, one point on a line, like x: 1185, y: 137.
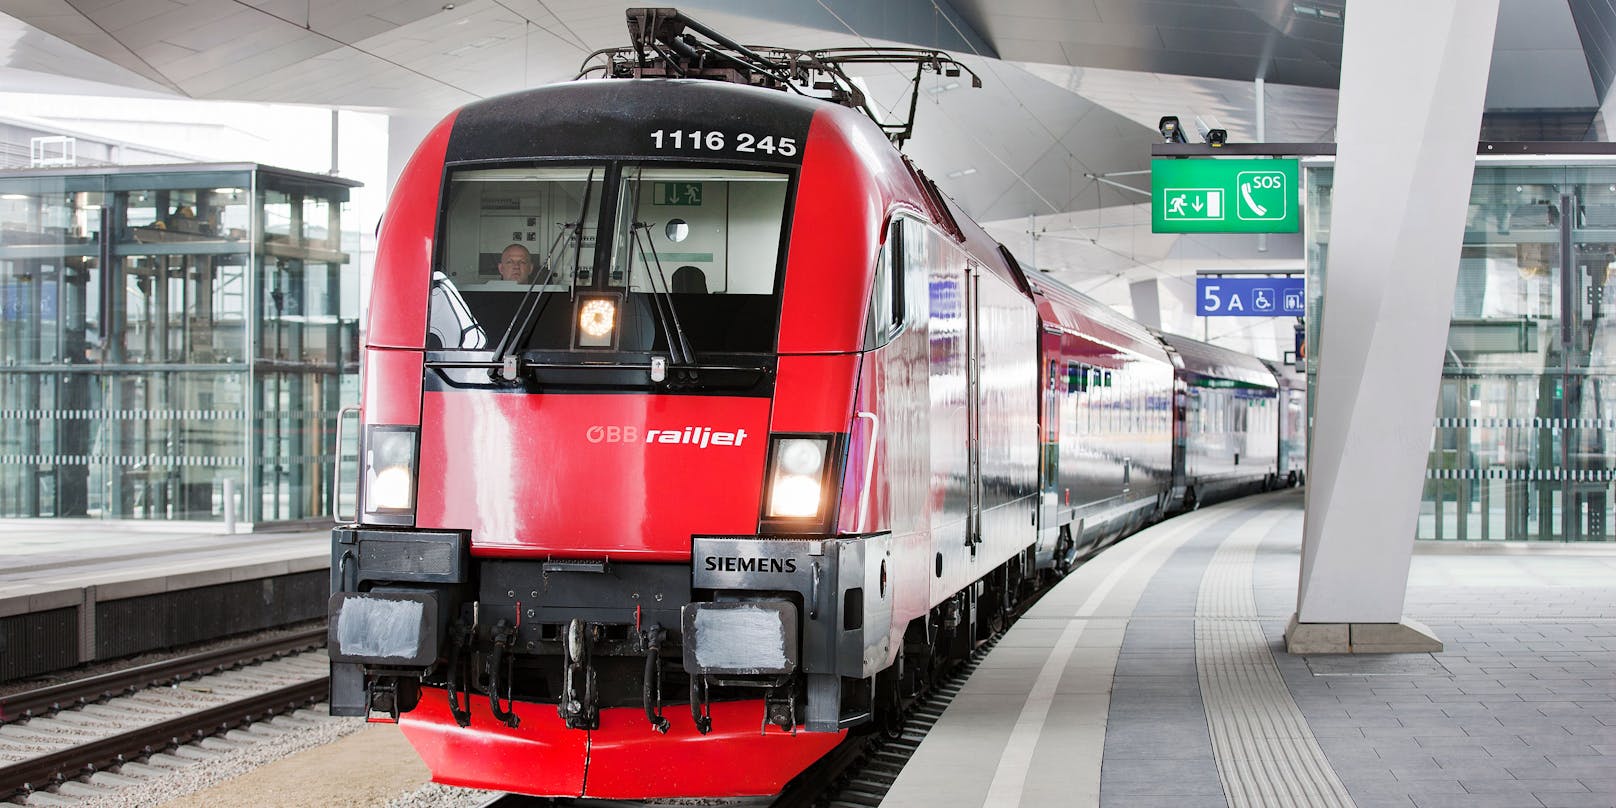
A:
x: 89, y: 690
x: 64, y: 732
x: 860, y: 772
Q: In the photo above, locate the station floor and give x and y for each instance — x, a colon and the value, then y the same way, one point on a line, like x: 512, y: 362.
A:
x: 41, y: 560
x: 73, y: 592
x: 1156, y: 675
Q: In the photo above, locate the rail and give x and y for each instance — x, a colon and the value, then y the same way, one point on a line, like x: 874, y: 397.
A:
x: 46, y: 700
x: 47, y: 770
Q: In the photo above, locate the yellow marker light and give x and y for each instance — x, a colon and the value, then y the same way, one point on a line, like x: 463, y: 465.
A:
x: 597, y: 317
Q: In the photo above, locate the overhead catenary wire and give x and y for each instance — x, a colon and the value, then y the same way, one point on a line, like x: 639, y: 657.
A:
x: 665, y: 43
x: 967, y: 130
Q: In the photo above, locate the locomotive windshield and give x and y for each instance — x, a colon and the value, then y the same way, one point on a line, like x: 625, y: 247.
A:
x: 690, y: 252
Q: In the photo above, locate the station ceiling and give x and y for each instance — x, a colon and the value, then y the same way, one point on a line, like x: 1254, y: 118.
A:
x: 1072, y: 88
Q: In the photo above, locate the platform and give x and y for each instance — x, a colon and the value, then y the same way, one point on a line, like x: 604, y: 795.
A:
x: 74, y: 592
x: 1156, y: 675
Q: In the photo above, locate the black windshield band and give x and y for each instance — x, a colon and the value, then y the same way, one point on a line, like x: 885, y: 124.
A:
x: 620, y: 118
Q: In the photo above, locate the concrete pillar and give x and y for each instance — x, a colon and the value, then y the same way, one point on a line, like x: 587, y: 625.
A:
x: 1146, y: 298
x: 1413, y: 77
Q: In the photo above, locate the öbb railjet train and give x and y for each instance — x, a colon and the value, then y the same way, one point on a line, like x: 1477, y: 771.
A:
x: 766, y: 434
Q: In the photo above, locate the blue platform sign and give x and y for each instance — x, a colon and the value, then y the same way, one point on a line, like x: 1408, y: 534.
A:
x: 1250, y: 297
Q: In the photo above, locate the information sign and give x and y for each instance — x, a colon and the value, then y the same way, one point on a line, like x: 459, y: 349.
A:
x: 1250, y: 297
x: 1213, y: 195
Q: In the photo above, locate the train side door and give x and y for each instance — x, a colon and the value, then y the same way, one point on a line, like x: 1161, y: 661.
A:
x: 1049, y: 449
x: 973, y: 406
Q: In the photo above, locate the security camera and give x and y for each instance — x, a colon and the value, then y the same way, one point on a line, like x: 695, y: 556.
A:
x: 1171, y: 132
x: 1213, y: 134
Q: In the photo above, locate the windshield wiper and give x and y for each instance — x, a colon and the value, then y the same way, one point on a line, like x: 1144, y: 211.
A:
x: 506, y: 354
x: 662, y: 299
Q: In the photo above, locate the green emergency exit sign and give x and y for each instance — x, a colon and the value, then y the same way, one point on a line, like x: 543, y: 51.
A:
x: 676, y: 193
x: 1212, y: 195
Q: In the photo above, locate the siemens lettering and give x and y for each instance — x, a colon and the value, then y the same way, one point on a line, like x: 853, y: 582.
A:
x: 738, y: 564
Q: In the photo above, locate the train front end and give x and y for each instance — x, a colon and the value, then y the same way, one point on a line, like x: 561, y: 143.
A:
x: 610, y: 540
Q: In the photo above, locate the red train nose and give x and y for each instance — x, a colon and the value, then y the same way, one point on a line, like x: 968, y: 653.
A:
x: 623, y: 759
x: 591, y: 475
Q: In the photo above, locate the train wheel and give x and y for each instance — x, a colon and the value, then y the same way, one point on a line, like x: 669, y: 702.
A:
x: 889, y: 698
x: 1191, y: 501
x: 1064, y: 551
x: 1030, y: 578
x: 919, y: 657
x: 954, y: 639
x: 988, y: 608
x: 1290, y: 479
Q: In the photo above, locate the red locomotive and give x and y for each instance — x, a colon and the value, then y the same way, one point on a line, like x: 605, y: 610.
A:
x: 700, y: 428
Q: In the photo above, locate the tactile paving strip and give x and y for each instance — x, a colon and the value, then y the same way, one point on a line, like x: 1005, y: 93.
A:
x: 1265, y: 753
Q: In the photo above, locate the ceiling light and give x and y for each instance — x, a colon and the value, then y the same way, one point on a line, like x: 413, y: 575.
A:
x: 1321, y: 12
x: 953, y: 85
x: 964, y: 172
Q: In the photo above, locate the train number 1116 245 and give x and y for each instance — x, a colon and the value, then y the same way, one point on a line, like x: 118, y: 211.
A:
x: 713, y: 140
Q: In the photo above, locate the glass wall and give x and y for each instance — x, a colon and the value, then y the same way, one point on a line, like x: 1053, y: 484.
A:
x: 1519, y: 450
x: 168, y: 336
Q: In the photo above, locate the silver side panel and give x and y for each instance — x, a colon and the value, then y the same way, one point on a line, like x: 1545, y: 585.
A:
x: 841, y: 634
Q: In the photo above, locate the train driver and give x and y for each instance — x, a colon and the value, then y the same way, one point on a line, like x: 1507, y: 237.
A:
x: 516, y: 264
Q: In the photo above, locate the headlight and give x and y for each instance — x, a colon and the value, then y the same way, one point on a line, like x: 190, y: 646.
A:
x: 596, y: 318
x: 389, y: 472
x: 597, y: 321
x: 391, y: 489
x: 799, y: 475
x: 794, y: 496
x: 802, y: 457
